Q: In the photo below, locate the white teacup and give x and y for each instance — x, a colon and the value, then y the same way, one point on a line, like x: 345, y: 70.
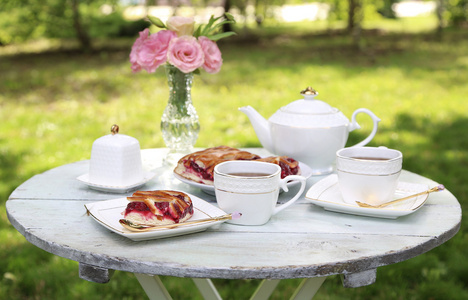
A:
x: 368, y: 174
x: 251, y: 188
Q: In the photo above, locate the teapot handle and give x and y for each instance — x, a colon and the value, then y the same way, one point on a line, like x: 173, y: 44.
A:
x: 355, y: 125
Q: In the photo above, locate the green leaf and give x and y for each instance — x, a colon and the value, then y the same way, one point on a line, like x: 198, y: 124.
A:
x: 208, y: 26
x: 219, y: 36
x: 229, y: 17
x: 157, y: 22
x: 217, y: 26
x: 197, y: 31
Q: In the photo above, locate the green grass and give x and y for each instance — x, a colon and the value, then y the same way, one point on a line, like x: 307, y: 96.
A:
x: 53, y: 105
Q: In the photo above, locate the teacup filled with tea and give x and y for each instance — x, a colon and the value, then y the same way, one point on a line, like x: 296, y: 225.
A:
x: 251, y: 188
x: 368, y: 174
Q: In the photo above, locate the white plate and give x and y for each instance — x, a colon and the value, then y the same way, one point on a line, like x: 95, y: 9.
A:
x: 115, y: 189
x: 109, y: 212
x: 327, y: 194
x: 306, y: 172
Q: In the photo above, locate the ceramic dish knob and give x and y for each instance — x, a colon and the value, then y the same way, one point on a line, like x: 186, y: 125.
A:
x: 115, y: 160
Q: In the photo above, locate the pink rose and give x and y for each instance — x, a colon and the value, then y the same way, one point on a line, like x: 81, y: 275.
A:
x: 136, y: 67
x: 213, y: 60
x: 149, y: 53
x: 185, y: 53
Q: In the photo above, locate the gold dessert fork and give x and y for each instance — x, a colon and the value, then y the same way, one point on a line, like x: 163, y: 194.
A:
x: 440, y: 187
x: 143, y: 227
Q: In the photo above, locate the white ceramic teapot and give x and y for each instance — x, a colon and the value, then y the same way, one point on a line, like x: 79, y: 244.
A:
x: 308, y: 130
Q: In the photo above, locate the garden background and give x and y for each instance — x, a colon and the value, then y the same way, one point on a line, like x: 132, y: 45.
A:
x: 58, y: 94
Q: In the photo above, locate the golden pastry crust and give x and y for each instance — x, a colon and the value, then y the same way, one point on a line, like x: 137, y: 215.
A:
x: 289, y: 166
x: 159, y: 207
x: 199, y: 166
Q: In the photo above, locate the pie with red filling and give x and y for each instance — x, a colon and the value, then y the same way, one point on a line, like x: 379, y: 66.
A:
x: 161, y: 207
x: 289, y: 166
x: 199, y: 166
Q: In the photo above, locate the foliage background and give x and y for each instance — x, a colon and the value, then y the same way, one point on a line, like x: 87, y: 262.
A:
x: 56, y: 100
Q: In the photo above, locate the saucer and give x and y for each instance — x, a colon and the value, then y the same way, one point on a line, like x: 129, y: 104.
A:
x: 115, y: 189
x: 306, y: 172
x: 326, y: 193
x: 108, y: 213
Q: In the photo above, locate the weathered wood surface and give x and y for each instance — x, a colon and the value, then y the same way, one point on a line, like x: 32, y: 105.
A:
x: 301, y: 241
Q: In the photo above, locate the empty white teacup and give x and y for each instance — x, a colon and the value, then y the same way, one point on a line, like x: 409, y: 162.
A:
x: 251, y: 188
x: 368, y: 174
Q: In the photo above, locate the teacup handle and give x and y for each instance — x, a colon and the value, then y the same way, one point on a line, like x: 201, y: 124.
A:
x: 355, y: 125
x: 285, y: 188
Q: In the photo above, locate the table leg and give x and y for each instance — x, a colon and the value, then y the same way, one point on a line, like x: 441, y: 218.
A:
x: 265, y: 289
x: 153, y: 286
x: 155, y: 289
x: 308, y: 288
x: 207, y: 288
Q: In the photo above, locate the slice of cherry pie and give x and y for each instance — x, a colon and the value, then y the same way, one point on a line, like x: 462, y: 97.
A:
x: 161, y: 207
x: 289, y: 166
x: 199, y: 166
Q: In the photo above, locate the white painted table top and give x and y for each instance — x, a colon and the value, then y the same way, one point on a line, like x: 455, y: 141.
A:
x: 304, y: 240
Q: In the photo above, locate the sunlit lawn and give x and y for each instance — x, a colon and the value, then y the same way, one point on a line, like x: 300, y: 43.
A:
x: 54, y: 105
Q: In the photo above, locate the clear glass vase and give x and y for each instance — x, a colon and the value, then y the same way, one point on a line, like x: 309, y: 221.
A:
x: 179, y: 122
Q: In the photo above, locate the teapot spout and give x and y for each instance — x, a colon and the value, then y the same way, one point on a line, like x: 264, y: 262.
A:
x: 260, y: 125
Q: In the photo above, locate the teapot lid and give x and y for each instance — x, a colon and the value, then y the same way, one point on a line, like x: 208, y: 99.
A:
x: 307, y: 106
x: 309, y: 112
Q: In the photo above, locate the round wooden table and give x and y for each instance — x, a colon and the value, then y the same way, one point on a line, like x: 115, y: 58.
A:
x: 303, y: 241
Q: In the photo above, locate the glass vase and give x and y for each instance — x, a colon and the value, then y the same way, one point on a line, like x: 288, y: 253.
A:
x: 179, y: 122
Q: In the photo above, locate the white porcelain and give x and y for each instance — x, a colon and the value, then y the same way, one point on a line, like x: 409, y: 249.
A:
x: 254, y: 197
x: 115, y: 161
x: 108, y: 213
x: 306, y: 172
x: 308, y: 130
x: 326, y: 193
x: 147, y: 176
x: 368, y: 180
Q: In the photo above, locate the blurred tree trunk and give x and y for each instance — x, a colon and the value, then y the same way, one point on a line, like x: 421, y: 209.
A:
x: 355, y: 17
x: 351, y: 13
x: 81, y: 33
x: 440, y: 8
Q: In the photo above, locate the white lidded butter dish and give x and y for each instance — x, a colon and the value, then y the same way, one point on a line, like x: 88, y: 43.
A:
x: 115, y: 160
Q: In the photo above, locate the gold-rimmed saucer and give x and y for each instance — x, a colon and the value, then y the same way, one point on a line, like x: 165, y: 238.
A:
x: 326, y: 193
